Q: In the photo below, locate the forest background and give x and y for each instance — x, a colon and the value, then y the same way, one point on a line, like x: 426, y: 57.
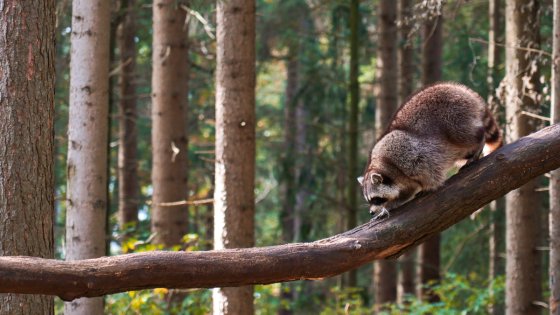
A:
x: 303, y: 144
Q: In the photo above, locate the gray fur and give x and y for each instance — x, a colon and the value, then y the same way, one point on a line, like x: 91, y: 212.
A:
x: 438, y: 127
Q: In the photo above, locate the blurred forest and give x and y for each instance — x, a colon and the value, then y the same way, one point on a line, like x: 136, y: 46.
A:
x: 316, y: 35
x: 306, y: 159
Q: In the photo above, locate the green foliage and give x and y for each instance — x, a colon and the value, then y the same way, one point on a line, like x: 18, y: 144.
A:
x: 345, y: 301
x: 458, y: 294
x: 158, y: 302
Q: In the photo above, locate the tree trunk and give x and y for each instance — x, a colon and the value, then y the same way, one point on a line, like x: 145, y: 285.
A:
x: 523, y: 274
x: 497, y: 207
x: 555, y: 175
x: 27, y: 128
x: 303, y: 165
x: 128, y: 133
x: 234, y: 199
x: 385, y: 274
x: 405, y: 55
x: 354, y: 86
x: 169, y: 138
x: 405, y: 52
x: 429, y: 252
x: 87, y: 139
x: 288, y: 178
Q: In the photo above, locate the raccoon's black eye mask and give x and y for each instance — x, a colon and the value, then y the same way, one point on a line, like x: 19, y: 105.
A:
x: 377, y: 201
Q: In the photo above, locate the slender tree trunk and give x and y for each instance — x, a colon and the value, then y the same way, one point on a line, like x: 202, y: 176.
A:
x: 495, y: 37
x: 405, y: 52
x: 303, y: 163
x: 429, y: 252
x: 27, y: 128
x: 497, y: 207
x: 234, y: 199
x: 523, y: 266
x: 385, y: 271
x: 87, y: 140
x: 128, y: 134
x: 169, y: 138
x: 555, y: 175
x: 289, y: 182
x: 405, y: 55
x: 352, y: 204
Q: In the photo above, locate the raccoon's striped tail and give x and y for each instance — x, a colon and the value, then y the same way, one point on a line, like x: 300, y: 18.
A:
x: 492, y: 133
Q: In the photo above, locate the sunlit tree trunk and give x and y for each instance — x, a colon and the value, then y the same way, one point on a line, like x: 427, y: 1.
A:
x: 429, y: 252
x: 352, y: 203
x: 27, y: 54
x: 169, y: 138
x: 87, y: 140
x: 406, y: 68
x: 385, y: 271
x: 234, y: 198
x: 523, y: 265
x: 128, y: 134
x: 555, y: 175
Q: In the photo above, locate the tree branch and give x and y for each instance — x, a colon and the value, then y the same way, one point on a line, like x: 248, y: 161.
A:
x: 478, y: 184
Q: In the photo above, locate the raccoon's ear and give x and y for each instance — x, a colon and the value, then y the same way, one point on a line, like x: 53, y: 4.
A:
x: 361, y: 180
x: 376, y: 178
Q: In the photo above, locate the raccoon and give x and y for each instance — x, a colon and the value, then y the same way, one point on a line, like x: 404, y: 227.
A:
x: 436, y: 128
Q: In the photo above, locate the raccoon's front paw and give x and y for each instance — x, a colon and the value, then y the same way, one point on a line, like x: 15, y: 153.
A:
x: 384, y: 212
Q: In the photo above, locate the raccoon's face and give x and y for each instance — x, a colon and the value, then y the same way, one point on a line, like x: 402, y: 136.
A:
x: 383, y: 193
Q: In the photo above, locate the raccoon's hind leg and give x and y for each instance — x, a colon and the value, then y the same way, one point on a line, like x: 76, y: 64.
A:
x: 492, y: 133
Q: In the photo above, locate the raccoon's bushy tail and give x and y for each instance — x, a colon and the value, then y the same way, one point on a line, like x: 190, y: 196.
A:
x: 492, y: 133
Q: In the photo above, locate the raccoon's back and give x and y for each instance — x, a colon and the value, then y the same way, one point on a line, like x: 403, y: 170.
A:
x: 445, y: 109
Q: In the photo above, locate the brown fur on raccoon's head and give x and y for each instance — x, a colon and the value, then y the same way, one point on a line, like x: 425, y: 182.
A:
x: 385, y: 187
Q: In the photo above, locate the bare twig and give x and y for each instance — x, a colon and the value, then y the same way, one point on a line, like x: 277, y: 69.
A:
x: 529, y: 49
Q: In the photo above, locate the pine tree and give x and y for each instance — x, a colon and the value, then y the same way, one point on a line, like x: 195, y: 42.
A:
x: 522, y: 205
x: 407, y: 278
x: 555, y: 175
x: 234, y: 197
x: 169, y: 138
x: 87, y: 140
x: 385, y: 271
x: 26, y: 127
x: 429, y: 252
x: 128, y: 133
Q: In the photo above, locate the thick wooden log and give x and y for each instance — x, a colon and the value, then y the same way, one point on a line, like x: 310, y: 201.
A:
x: 464, y: 193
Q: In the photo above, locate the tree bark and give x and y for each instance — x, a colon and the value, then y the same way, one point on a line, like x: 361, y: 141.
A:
x: 429, y: 252
x: 432, y: 50
x: 234, y: 199
x: 169, y: 137
x: 354, y: 87
x: 27, y: 36
x: 87, y: 139
x: 473, y: 187
x: 523, y: 285
x: 128, y: 133
x: 405, y: 55
x: 497, y: 207
x: 288, y: 178
x: 495, y: 37
x: 385, y: 272
x: 554, y: 228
